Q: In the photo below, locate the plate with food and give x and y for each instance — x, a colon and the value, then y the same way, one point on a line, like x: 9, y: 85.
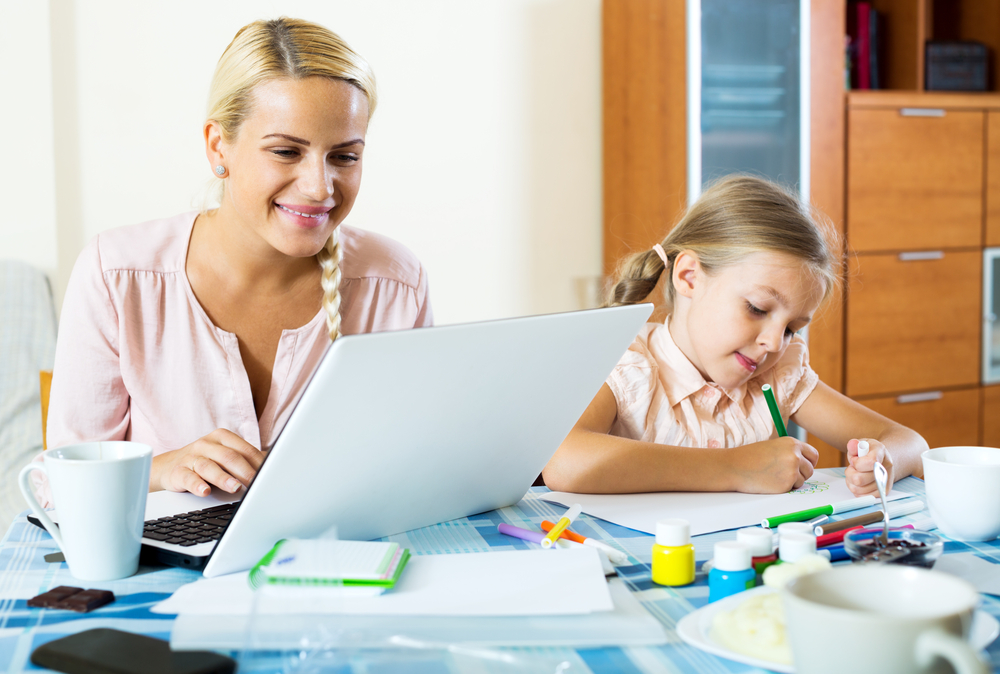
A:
x: 749, y: 627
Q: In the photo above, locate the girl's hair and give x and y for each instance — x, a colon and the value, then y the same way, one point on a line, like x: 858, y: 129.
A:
x: 735, y: 217
x: 294, y: 49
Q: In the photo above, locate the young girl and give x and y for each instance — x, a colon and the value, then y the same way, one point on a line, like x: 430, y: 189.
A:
x: 744, y: 271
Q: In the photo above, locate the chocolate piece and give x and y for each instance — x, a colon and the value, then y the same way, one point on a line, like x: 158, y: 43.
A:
x: 51, y: 598
x: 86, y: 601
x: 72, y: 599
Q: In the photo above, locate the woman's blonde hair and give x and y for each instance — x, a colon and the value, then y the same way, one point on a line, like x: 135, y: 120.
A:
x: 735, y: 217
x: 295, y: 49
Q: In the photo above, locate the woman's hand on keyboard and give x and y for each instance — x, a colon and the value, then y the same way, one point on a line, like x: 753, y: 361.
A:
x: 221, y: 458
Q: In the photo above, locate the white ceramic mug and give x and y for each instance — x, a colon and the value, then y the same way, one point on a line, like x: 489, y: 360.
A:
x: 99, y: 491
x: 881, y: 618
x: 963, y: 491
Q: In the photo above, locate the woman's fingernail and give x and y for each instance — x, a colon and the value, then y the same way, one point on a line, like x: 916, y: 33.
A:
x: 203, y: 489
x: 232, y: 485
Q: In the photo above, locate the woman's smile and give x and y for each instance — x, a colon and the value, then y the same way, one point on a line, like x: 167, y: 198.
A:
x: 305, y: 216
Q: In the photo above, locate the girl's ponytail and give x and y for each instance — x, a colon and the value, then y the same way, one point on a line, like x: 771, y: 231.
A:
x: 637, y: 276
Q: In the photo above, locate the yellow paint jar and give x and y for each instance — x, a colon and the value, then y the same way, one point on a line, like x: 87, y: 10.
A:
x: 673, y: 553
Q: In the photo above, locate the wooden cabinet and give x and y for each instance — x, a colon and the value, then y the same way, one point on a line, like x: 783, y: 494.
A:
x: 993, y: 178
x: 920, y: 192
x: 944, y: 418
x: 914, y: 178
x: 913, y: 321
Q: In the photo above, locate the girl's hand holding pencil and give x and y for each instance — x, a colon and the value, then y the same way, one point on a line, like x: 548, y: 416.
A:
x: 860, y: 474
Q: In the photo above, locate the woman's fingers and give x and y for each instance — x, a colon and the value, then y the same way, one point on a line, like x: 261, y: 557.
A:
x: 210, y: 471
x: 241, y: 455
x: 185, y: 479
x: 228, y: 462
x: 221, y: 458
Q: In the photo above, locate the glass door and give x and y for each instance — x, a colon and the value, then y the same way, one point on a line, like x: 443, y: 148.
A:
x: 748, y: 91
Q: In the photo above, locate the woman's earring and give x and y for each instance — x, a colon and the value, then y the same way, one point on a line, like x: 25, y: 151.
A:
x: 220, y: 170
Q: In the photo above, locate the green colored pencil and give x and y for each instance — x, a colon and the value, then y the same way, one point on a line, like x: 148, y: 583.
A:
x: 772, y: 405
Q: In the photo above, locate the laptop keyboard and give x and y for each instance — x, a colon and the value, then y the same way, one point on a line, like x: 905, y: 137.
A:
x: 187, y: 529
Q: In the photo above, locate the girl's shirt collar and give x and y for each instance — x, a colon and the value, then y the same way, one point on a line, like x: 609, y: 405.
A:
x: 684, y: 378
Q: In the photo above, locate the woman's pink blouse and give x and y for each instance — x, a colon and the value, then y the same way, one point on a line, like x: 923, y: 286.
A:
x: 138, y: 358
x: 663, y: 398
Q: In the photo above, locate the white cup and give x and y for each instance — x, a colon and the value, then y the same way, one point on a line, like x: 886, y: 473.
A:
x: 963, y: 491
x: 882, y: 619
x: 99, y: 490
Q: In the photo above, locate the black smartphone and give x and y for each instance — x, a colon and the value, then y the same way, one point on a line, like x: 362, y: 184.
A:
x: 108, y: 651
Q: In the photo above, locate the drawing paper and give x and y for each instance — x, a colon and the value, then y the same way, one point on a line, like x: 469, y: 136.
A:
x: 711, y: 511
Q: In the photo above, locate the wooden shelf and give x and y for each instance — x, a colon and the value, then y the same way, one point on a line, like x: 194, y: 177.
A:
x: 907, y: 25
x: 858, y: 99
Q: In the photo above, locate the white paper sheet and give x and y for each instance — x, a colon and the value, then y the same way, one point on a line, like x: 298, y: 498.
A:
x: 508, y: 583
x: 627, y: 624
x: 709, y: 511
x: 984, y: 575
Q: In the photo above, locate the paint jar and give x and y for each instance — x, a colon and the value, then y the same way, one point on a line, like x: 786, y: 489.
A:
x: 761, y: 544
x: 792, y: 547
x: 732, y: 572
x: 673, y: 553
x: 795, y: 528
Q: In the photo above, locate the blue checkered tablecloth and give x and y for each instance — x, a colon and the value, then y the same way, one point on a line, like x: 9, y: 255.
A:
x: 24, y: 574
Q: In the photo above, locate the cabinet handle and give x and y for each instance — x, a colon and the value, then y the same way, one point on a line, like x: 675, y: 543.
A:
x: 919, y: 397
x: 922, y: 255
x: 921, y: 112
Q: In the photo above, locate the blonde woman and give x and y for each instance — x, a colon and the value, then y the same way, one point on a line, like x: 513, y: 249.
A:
x: 744, y: 271
x: 196, y: 334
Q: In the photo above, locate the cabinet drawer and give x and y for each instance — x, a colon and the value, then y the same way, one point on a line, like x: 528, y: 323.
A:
x: 913, y: 325
x: 991, y: 416
x: 914, y: 182
x: 993, y: 179
x: 944, y: 418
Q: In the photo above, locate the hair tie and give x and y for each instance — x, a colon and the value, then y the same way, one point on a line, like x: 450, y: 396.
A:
x: 663, y: 256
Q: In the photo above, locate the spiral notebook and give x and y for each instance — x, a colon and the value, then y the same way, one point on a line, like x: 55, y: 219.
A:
x: 331, y: 562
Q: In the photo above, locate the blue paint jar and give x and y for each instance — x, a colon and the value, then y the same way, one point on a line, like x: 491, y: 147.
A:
x: 732, y: 571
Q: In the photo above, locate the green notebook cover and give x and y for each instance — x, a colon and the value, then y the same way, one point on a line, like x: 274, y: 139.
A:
x: 259, y: 576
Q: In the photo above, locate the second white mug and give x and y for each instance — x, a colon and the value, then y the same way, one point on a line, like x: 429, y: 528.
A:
x: 884, y: 619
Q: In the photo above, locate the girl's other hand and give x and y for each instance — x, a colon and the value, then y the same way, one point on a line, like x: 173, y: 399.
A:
x: 221, y: 458
x: 774, y: 466
x: 860, y: 473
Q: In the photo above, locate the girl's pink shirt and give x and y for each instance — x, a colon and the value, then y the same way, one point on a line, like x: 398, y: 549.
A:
x: 138, y: 358
x: 662, y: 397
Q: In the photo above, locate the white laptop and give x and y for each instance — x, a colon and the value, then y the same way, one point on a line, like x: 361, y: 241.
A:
x: 401, y: 430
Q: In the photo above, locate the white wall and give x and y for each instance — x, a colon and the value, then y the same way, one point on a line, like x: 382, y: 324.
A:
x: 27, y: 170
x: 483, y: 156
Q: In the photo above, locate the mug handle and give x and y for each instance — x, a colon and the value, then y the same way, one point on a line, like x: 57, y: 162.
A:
x: 936, y: 643
x: 29, y: 496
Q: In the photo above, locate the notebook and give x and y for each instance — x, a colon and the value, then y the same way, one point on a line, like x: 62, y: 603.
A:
x: 331, y: 562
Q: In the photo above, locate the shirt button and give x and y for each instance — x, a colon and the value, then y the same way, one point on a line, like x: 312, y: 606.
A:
x: 713, y: 444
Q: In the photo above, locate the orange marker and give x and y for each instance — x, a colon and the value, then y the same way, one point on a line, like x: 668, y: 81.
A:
x: 616, y: 556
